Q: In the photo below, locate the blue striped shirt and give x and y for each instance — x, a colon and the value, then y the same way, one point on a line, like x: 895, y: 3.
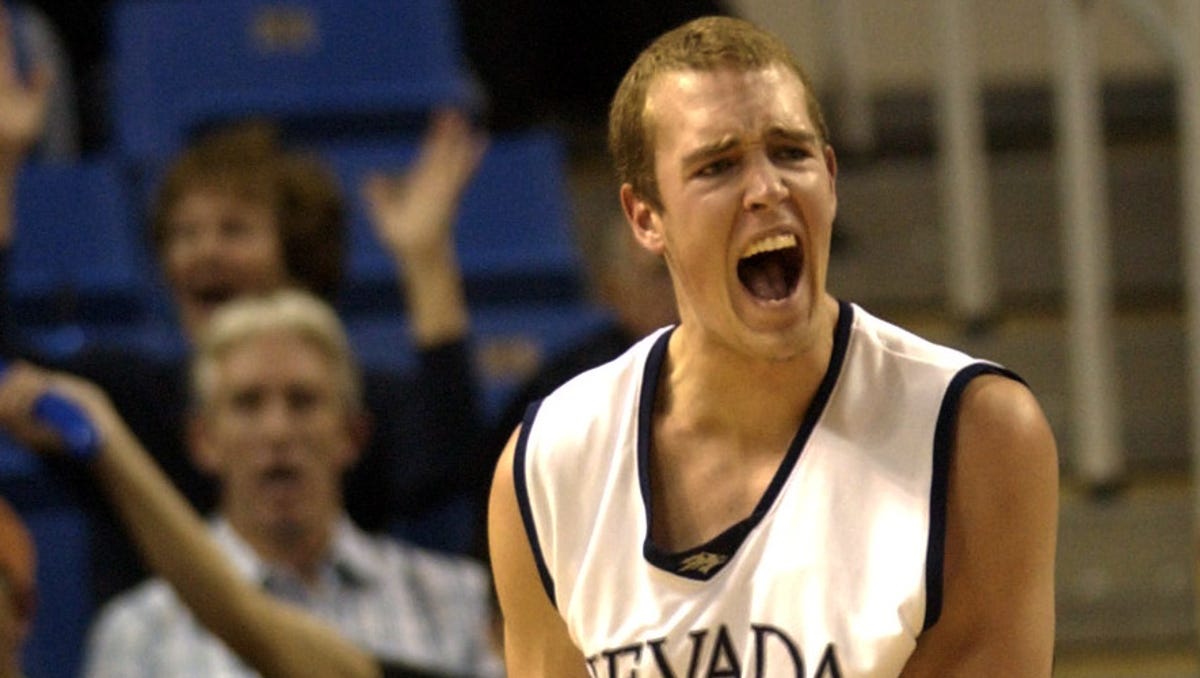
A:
x: 394, y: 600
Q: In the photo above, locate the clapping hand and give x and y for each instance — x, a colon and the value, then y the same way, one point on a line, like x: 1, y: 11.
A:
x: 22, y: 100
x: 413, y: 213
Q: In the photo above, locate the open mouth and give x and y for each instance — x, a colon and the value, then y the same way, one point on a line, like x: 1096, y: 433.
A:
x: 280, y: 476
x: 770, y: 268
x: 212, y: 296
x: 215, y: 295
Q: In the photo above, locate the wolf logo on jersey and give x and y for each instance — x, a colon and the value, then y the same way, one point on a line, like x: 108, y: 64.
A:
x: 702, y: 562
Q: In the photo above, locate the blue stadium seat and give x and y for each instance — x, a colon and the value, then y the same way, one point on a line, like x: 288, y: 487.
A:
x: 181, y: 64
x: 78, y: 270
x: 514, y: 232
x: 381, y: 341
x: 60, y: 531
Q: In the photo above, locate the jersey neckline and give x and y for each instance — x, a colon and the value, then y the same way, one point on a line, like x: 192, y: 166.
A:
x: 706, y: 560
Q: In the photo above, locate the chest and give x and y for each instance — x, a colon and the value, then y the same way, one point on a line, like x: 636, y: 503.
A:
x: 823, y: 577
x: 702, y: 485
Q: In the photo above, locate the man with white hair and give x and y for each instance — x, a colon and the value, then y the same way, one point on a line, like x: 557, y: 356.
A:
x: 276, y: 419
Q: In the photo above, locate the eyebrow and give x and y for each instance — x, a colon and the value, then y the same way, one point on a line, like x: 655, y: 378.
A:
x: 710, y: 150
x: 800, y: 136
x: 793, y: 135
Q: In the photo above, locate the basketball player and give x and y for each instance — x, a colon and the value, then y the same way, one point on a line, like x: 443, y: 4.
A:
x: 781, y: 484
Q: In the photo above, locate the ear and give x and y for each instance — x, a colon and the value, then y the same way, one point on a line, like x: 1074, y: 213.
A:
x: 358, y: 432
x: 831, y: 165
x: 203, y: 451
x: 643, y: 219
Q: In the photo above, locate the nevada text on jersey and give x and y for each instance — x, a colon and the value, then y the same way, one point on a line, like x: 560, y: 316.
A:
x: 772, y: 652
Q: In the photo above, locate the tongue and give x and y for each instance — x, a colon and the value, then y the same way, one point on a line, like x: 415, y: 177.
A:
x: 766, y: 276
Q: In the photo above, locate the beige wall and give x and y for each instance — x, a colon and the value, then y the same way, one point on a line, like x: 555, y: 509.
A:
x: 1012, y: 37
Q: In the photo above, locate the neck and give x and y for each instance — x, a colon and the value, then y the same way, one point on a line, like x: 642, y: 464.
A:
x: 719, y: 388
x: 300, y: 549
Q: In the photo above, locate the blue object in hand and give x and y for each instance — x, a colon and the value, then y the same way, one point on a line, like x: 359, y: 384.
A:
x: 68, y: 420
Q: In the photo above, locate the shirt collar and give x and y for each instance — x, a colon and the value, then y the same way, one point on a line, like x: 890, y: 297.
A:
x: 352, y: 557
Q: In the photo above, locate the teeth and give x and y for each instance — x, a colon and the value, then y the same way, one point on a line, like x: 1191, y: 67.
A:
x: 775, y: 242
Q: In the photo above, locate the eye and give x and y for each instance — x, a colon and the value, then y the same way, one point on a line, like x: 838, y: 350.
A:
x: 302, y: 399
x: 246, y: 401
x: 234, y: 228
x: 715, y: 168
x: 182, y: 231
x: 794, y: 153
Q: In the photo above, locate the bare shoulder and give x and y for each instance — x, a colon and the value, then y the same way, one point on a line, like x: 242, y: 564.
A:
x: 1002, y: 430
x: 997, y: 603
x: 536, y: 641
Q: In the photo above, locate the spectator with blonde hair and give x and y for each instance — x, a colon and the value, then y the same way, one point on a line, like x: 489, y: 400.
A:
x: 277, y: 398
x: 238, y: 213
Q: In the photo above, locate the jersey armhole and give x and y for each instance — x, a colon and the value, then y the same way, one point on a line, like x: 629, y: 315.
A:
x: 521, y: 484
x: 943, y: 446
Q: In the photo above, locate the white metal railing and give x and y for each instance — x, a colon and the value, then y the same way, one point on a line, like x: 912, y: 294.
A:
x: 970, y: 273
x: 848, y: 68
x: 971, y: 291
x: 1188, y: 72
x: 1079, y: 115
x: 1083, y: 202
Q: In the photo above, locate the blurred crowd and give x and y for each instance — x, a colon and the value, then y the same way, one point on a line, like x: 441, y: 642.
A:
x: 348, y: 491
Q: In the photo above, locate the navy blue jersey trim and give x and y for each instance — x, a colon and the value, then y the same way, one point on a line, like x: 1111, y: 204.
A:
x: 943, y: 447
x: 522, y: 487
x: 703, y: 562
x: 645, y: 422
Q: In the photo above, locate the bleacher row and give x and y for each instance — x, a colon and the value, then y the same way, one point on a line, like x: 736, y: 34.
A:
x: 353, y: 81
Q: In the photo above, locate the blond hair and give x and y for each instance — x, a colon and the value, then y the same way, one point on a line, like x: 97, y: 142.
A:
x: 288, y: 310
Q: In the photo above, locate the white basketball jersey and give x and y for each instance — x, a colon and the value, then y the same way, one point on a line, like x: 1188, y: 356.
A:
x: 836, y: 571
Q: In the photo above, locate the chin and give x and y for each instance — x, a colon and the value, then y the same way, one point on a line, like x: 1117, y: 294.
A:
x: 779, y: 334
x: 287, y: 528
x: 778, y: 347
x: 282, y: 515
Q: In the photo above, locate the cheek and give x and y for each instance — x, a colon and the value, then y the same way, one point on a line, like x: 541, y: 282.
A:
x: 232, y: 440
x: 261, y: 259
x: 173, y: 259
x: 698, y: 276
x: 817, y: 191
x: 342, y: 450
x: 176, y: 261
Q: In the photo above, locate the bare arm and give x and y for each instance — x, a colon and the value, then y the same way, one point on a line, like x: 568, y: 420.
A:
x: 536, y: 642
x: 272, y: 636
x: 998, y: 599
x: 24, y: 106
x: 413, y: 216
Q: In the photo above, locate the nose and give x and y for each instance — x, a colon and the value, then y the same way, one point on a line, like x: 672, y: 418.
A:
x: 764, y: 184
x: 210, y: 244
x: 275, y: 419
x: 196, y: 243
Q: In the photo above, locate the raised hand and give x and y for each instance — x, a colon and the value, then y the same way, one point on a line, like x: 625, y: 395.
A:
x: 413, y: 213
x: 49, y: 411
x: 22, y: 100
x: 20, y: 386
